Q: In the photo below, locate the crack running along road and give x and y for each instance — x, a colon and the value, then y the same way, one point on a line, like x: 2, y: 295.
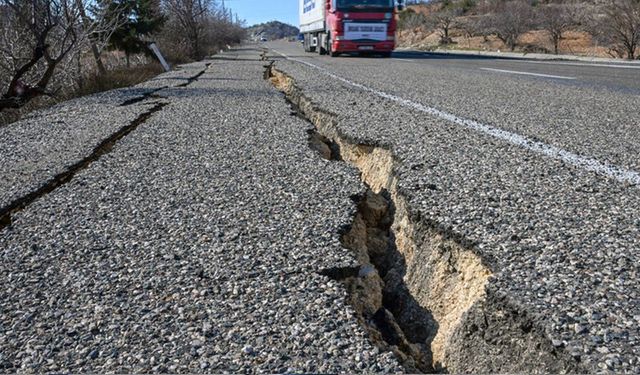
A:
x: 586, y: 163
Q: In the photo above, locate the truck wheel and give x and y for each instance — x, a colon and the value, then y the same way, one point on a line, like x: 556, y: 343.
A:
x: 307, y: 43
x: 322, y: 46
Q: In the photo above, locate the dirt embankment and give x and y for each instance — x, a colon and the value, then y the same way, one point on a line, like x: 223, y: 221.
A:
x: 574, y: 42
x: 425, y: 37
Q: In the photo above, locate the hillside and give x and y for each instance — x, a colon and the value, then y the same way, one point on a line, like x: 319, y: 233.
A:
x: 582, y: 27
x: 273, y: 30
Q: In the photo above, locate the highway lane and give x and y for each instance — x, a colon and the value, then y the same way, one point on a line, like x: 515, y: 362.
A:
x: 595, y: 114
x: 537, y: 175
x: 211, y: 238
x: 619, y: 77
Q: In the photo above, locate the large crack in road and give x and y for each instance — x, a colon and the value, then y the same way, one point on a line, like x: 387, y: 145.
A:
x: 419, y: 292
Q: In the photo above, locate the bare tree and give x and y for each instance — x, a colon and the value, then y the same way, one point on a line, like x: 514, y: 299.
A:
x: 510, y: 20
x: 36, y: 38
x: 201, y: 25
x: 445, y: 20
x: 556, y: 19
x: 191, y: 18
x: 47, y: 31
x: 620, y: 28
x: 472, y: 26
x: 86, y: 24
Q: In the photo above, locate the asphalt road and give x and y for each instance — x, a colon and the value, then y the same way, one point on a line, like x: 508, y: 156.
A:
x: 185, y: 225
x: 595, y: 113
x: 535, y: 164
x: 193, y: 243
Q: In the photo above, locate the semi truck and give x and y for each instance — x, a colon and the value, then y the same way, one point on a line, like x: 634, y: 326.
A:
x: 340, y: 26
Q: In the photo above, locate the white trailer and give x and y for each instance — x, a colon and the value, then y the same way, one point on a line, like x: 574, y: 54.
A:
x: 312, y: 22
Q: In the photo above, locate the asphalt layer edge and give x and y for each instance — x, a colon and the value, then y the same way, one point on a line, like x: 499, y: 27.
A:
x: 476, y: 322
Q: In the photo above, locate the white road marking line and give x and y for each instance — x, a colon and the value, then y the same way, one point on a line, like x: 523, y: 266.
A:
x: 588, y: 164
x: 619, y: 66
x: 526, y: 73
x: 396, y: 58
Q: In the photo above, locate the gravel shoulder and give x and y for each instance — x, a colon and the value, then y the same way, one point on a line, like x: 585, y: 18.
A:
x: 195, y: 245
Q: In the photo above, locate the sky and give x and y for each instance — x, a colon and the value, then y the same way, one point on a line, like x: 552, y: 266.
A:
x: 259, y: 11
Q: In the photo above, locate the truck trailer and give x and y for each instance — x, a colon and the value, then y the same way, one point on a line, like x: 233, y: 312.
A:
x: 340, y: 26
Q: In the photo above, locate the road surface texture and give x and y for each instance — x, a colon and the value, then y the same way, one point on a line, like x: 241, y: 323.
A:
x: 195, y: 243
x: 407, y: 214
x: 532, y: 175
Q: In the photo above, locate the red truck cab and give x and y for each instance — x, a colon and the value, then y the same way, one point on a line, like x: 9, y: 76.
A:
x: 363, y: 26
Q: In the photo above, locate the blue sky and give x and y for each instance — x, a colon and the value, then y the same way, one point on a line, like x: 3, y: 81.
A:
x: 258, y: 11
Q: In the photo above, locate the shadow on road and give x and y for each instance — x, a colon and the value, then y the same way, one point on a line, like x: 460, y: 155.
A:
x: 417, y: 55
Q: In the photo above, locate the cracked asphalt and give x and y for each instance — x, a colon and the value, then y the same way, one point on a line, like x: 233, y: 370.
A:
x: 562, y: 241
x: 197, y: 242
x: 195, y: 245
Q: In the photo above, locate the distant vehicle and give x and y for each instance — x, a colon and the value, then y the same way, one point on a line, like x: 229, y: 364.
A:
x: 336, y: 26
x: 263, y: 39
x: 301, y: 38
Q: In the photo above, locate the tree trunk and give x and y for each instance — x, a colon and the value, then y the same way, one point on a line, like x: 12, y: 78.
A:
x: 94, y: 49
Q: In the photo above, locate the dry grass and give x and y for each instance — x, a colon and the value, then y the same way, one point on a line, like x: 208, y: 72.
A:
x: 117, y: 78
x: 575, y: 42
x: 93, y: 83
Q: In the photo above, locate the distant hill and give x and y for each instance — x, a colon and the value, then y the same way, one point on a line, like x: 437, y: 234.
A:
x: 273, y: 30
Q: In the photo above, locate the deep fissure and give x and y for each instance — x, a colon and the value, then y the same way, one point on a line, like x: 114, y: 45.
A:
x: 371, y: 239
x: 420, y: 291
x: 373, y: 292
x: 66, y: 176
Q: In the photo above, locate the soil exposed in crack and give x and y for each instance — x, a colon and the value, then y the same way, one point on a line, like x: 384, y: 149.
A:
x: 64, y: 177
x: 377, y: 305
x: 327, y: 149
x: 420, y: 292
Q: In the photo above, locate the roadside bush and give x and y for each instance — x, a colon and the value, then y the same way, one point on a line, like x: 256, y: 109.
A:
x: 410, y: 19
x: 117, y: 78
